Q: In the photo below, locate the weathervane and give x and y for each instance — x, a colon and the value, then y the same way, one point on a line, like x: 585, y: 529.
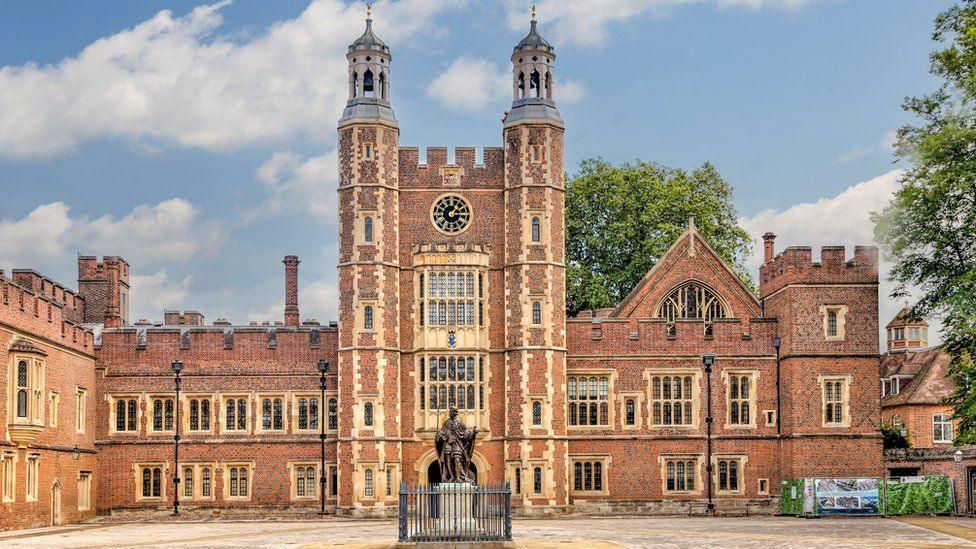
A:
x: 369, y: 10
x: 533, y: 12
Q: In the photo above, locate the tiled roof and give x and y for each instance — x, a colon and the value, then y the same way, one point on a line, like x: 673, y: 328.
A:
x: 931, y: 382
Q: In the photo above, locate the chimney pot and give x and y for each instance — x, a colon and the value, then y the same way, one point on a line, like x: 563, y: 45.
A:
x: 769, y: 249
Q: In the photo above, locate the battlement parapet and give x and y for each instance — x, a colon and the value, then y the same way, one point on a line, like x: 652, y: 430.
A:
x: 74, y: 304
x: 206, y: 340
x: 611, y: 336
x: 464, y: 172
x: 41, y: 314
x: 795, y: 265
x: 90, y: 269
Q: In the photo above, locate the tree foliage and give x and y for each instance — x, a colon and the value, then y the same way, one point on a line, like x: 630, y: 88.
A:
x: 929, y: 229
x: 620, y: 220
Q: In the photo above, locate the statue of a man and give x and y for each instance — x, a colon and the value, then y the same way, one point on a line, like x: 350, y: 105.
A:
x: 455, y: 445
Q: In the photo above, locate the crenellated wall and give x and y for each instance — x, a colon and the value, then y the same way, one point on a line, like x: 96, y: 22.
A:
x: 463, y: 173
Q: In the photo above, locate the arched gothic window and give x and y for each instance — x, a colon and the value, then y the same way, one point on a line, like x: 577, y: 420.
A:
x: 521, y: 85
x: 534, y: 83
x: 355, y: 84
x: 368, y: 229
x: 382, y: 85
x: 368, y: 88
x: 691, y: 301
x: 549, y: 85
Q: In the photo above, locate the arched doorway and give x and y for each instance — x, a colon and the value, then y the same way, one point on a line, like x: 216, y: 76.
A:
x: 434, y: 472
x: 56, y: 503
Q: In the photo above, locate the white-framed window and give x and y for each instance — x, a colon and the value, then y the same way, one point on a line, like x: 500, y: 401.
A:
x: 9, y: 476
x: 368, y: 483
x: 307, y: 412
x: 942, y: 428
x: 125, y: 414
x: 836, y: 399
x: 199, y: 414
x: 27, y: 390
x: 237, y: 481
x: 81, y: 410
x: 84, y: 490
x: 33, y: 472
x: 672, y: 400
x: 452, y: 381
x: 235, y: 413
x: 304, y: 480
x: 163, y: 413
x: 273, y: 413
x: 197, y: 481
x: 151, y: 481
x: 740, y: 395
x: 680, y: 474
x: 451, y: 298
x: 834, y: 321
x: 589, y: 475
x: 588, y: 397
x: 729, y: 474
x: 54, y: 399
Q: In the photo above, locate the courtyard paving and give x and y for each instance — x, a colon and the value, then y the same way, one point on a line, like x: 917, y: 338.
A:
x: 576, y: 532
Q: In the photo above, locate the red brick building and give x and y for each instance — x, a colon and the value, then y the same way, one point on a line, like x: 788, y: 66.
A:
x: 915, y: 390
x: 693, y: 391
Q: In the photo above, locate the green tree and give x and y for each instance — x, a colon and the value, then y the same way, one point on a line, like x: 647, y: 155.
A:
x: 620, y: 220
x: 929, y: 228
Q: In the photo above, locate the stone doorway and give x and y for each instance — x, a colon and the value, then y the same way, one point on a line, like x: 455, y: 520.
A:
x: 56, y: 503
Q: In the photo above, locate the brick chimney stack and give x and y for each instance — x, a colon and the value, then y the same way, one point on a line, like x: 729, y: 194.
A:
x: 113, y: 312
x: 291, y: 290
x: 769, y: 250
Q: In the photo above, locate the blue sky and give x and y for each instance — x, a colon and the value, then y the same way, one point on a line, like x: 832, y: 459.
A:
x: 197, y: 141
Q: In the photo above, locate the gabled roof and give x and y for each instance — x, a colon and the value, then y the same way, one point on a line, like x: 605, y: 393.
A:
x: 902, y: 319
x: 707, y: 267
x: 931, y: 382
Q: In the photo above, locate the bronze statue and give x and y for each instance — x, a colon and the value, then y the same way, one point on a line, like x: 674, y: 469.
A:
x: 455, y: 446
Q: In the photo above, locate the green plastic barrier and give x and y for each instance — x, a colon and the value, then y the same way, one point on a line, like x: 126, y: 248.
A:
x: 791, y: 497
x: 933, y: 496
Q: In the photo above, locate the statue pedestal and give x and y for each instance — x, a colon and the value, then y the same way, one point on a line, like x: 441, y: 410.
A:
x: 455, y: 501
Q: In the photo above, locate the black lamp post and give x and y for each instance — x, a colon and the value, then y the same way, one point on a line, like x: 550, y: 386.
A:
x: 708, y: 360
x: 177, y: 368
x: 323, y: 368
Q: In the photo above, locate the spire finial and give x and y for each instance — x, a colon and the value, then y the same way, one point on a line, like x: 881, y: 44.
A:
x: 533, y: 13
x: 369, y: 10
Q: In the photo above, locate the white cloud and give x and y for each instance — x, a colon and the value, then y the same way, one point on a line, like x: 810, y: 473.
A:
x: 843, y: 219
x: 470, y: 84
x: 150, y: 294
x: 298, y: 185
x: 175, y: 79
x: 170, y: 231
x: 855, y: 153
x: 585, y: 22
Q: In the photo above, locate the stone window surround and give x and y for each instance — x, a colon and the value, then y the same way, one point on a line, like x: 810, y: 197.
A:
x: 84, y: 487
x: 604, y: 459
x: 81, y: 410
x: 222, y: 416
x: 543, y: 400
x: 54, y: 401
x: 846, y: 401
x: 638, y: 398
x: 696, y: 374
x: 198, y: 481
x: 753, y: 376
x: 321, y: 415
x: 226, y: 467
x: 35, y: 384
x: 163, y: 467
x: 259, y: 412
x: 611, y: 375
x: 699, y: 460
x: 742, y: 459
x: 841, y: 311
x: 113, y: 399
x: 293, y: 479
x: 31, y: 476
x: 185, y: 399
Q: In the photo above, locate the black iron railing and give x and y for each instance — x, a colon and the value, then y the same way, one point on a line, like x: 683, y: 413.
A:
x: 455, y: 512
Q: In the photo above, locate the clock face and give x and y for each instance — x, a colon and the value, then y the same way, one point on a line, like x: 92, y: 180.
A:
x: 451, y: 214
